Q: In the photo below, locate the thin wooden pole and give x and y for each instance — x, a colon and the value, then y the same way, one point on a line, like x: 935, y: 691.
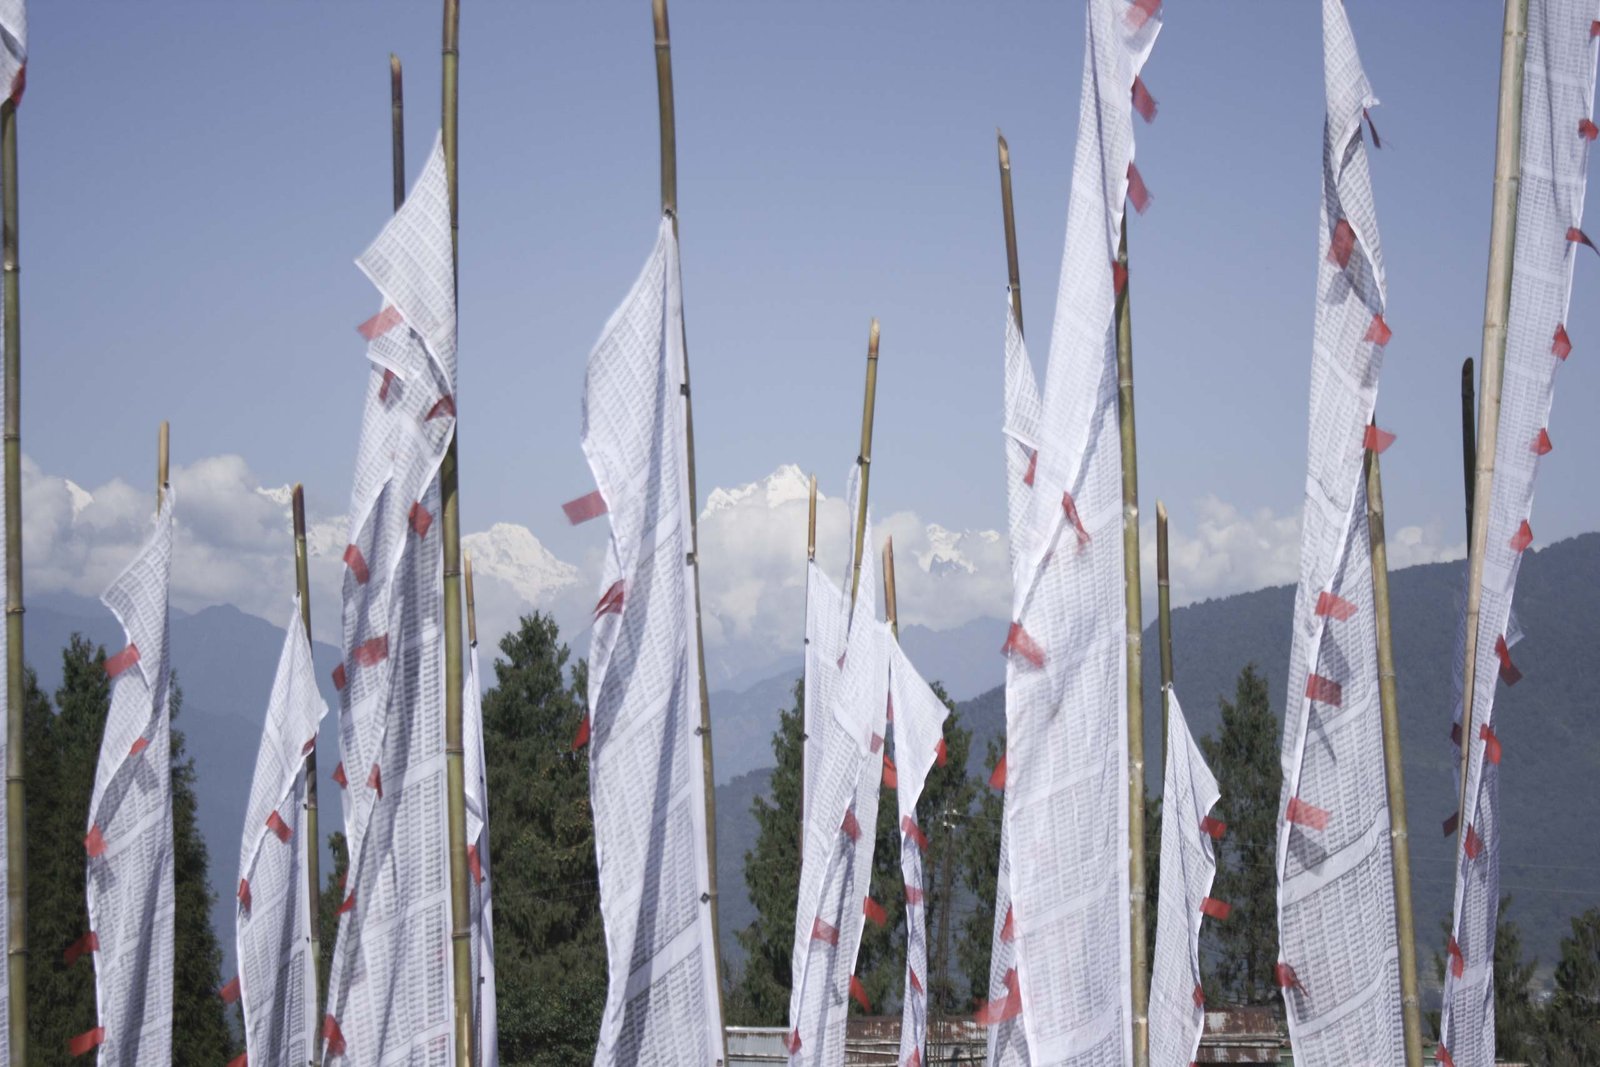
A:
x: 472, y: 601
x: 302, y: 583
x: 1399, y: 839
x: 1469, y: 436
x: 450, y: 534
x: 1164, y: 624
x: 163, y: 456
x: 889, y: 603
x: 669, y: 206
x: 1013, y: 269
x: 1496, y: 310
x: 16, y: 764
x: 1135, y: 638
x: 397, y: 130
x: 864, y: 460
x: 811, y: 524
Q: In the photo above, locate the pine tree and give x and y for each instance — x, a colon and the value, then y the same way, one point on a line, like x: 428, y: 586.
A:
x: 979, y: 851
x: 328, y: 902
x: 1243, y: 951
x: 944, y: 812
x: 1572, y: 1018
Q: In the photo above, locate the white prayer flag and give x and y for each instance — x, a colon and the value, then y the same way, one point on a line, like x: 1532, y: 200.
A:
x: 646, y: 767
x: 488, y: 1033
x: 13, y: 48
x: 1060, y: 974
x: 129, y: 839
x: 1557, y: 131
x: 1338, y: 948
x: 277, y: 974
x: 919, y: 717
x: 389, y: 992
x: 1188, y: 865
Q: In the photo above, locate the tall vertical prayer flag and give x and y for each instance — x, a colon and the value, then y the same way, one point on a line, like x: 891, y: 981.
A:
x: 1060, y: 974
x: 488, y: 1032
x: 389, y: 991
x: 13, y: 48
x: 846, y: 780
x: 129, y: 835
x: 646, y: 766
x: 1188, y: 865
x: 919, y: 717
x: 277, y: 974
x: 1557, y: 117
x: 1340, y: 977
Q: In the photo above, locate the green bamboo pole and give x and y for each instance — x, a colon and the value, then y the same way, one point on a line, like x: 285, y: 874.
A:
x: 1134, y: 611
x: 890, y: 607
x: 1469, y: 437
x: 1008, y: 212
x: 302, y: 582
x: 1399, y: 838
x: 1496, y: 310
x: 811, y: 524
x: 16, y: 765
x: 864, y: 460
x: 450, y: 534
x: 668, y: 125
x: 472, y: 601
x: 1164, y: 625
x: 163, y: 456
x: 397, y: 130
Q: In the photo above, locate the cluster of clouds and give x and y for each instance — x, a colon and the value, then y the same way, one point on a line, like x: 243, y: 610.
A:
x: 233, y: 544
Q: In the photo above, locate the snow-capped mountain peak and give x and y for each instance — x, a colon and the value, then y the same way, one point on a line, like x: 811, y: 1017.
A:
x: 512, y: 554
x: 945, y: 553
x: 784, y: 485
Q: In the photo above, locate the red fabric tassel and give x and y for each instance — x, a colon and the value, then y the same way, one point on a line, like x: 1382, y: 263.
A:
x: 1307, y: 815
x: 357, y: 564
x: 1458, y: 962
x: 94, y: 843
x: 138, y: 746
x: 1588, y: 130
x: 85, y: 1041
x: 1561, y: 347
x: 1508, y: 670
x: 1491, y: 744
x: 1199, y: 996
x: 1378, y: 333
x: 821, y: 931
x: 1376, y: 440
x: 349, y: 903
x: 1324, y: 690
x: 941, y: 755
x: 89, y: 942
x: 332, y: 1036
x: 916, y: 983
x: 1070, y: 506
x: 1143, y: 102
x: 1594, y: 29
x: 875, y: 745
x: 1138, y: 192
x: 375, y: 780
x: 339, y: 678
x: 1141, y: 12
x: 1018, y: 641
x: 1333, y: 606
x: 909, y: 827
x: 19, y: 84
x: 420, y: 519
x: 241, y: 1060
x: 1287, y: 979
x: 851, y: 828
x: 1119, y: 278
x: 1008, y: 929
x: 339, y: 776
x: 997, y: 777
x: 891, y: 780
x: 581, y: 738
x: 858, y: 993
x: 1442, y: 1054
x: 1033, y: 467
x: 1216, y: 909
x: 1522, y: 538
x: 995, y: 1012
x: 1343, y: 243
x: 115, y: 665
x: 1473, y: 844
x: 611, y: 601
x: 1454, y: 820
x: 874, y: 911
x: 383, y: 387
x: 915, y: 1059
x: 380, y: 324
x: 1578, y: 236
x: 372, y: 651
x: 1215, y: 828
x: 585, y: 507
x: 445, y: 405
x: 1541, y: 444
x: 792, y: 1042
x: 244, y: 893
x: 230, y: 991
x: 474, y: 864
x: 276, y: 824
x: 914, y: 895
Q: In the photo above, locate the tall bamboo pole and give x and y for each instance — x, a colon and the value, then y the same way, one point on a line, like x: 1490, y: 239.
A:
x: 472, y: 601
x: 669, y: 205
x: 163, y: 456
x: 302, y: 584
x: 1134, y: 610
x: 450, y: 526
x: 1399, y: 840
x: 811, y: 524
x: 16, y: 765
x: 1013, y: 269
x: 864, y: 460
x: 1469, y: 437
x: 1164, y: 625
x: 1496, y: 310
x: 397, y: 130
x: 890, y: 607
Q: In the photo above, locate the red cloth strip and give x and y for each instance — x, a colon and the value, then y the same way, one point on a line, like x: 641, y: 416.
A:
x: 1522, y: 538
x: 19, y: 83
x: 874, y: 911
x: 1455, y: 734
x: 611, y: 601
x: 241, y: 1060
x: 581, y: 738
x: 1594, y: 29
x: 1377, y: 440
x: 1588, y: 130
x: 1334, y: 606
x: 383, y: 387
x: 1577, y: 236
x: 792, y: 1042
x: 1542, y: 445
x: 276, y: 824
x: 1324, y: 690
x: 122, y: 661
x: 995, y: 1012
x: 230, y: 991
x: 1119, y: 278
x: 1473, y: 844
x: 339, y: 776
x: 357, y: 564
x: 138, y: 746
x: 1454, y: 820
x: 997, y: 777
x: 474, y: 864
x: 244, y: 893
x: 1286, y: 977
x: 909, y: 827
x: 94, y: 842
x: 1141, y: 12
x: 1213, y: 827
x: 914, y: 895
x: 372, y: 651
x: 1008, y: 929
x: 89, y: 942
x: 1216, y: 909
x: 1033, y: 467
x: 339, y: 678
x: 1378, y: 333
x: 876, y: 744
x: 1458, y: 962
x: 305, y: 749
x: 1138, y: 193
x: 332, y: 1036
x: 916, y: 985
x: 381, y: 323
x: 349, y: 903
x: 1561, y: 347
x: 1343, y: 243
x: 915, y: 1059
x: 585, y: 507
x: 420, y: 519
x: 941, y: 755
x: 821, y: 931
x: 1442, y: 1054
x: 1143, y: 102
x: 1199, y: 997
x: 85, y: 1041
x: 1508, y: 670
x: 891, y: 779
x: 858, y: 993
x: 1491, y: 743
x: 445, y: 405
x: 1018, y: 641
x: 849, y: 826
x: 1307, y: 815
x: 1070, y: 506
x: 375, y: 780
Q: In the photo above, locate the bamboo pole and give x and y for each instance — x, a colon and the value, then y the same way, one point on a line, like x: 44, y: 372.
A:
x: 1399, y: 839
x: 864, y: 460
x: 811, y: 524
x: 1496, y: 309
x: 16, y: 764
x: 1013, y: 269
x: 450, y: 534
x: 669, y: 205
x: 302, y: 582
x: 397, y: 130
x: 163, y: 455
x: 472, y: 601
x: 1164, y: 625
x: 1469, y: 437
x: 889, y: 604
x: 1135, y: 637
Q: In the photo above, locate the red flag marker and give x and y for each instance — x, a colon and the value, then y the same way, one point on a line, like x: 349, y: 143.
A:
x: 89, y: 942
x: 851, y: 828
x: 244, y: 893
x: 1141, y: 12
x: 1199, y: 996
x: 1442, y: 1054
x: 1378, y: 333
x: 1453, y: 821
x: 241, y: 1060
x: 1008, y: 929
x: 874, y: 911
x: 383, y: 387
x: 1119, y: 278
x: 138, y: 746
x: 994, y: 1012
x: 1588, y: 130
x: 875, y: 745
x: 1216, y: 909
x: 276, y: 824
x: 792, y: 1042
x: 230, y: 991
x: 94, y: 843
x: 1018, y: 641
x: 611, y: 601
x: 916, y: 984
x: 1324, y: 690
x: 1286, y: 977
x: 349, y: 903
x: 420, y: 519
x: 582, y: 737
x: 339, y: 776
x: 332, y: 1036
x: 1508, y: 670
x: 891, y: 779
x: 1138, y: 193
x: 914, y: 895
x: 858, y: 993
x: 1342, y: 244
x: 1541, y: 444
x: 1577, y: 236
x: 909, y: 827
x: 1561, y: 347
x: 1213, y: 827
x: 1143, y: 102
x: 474, y: 864
x: 85, y: 1041
x: 372, y: 651
x: 1376, y: 440
x: 375, y: 780
x: 445, y: 405
x: 997, y: 778
x: 1491, y: 744
x: 1522, y: 538
x: 821, y: 931
x: 585, y: 507
x: 1307, y: 815
x: 357, y: 564
x: 339, y: 678
x: 1458, y: 962
x: 381, y: 323
x: 1473, y: 844
x: 1334, y: 606
x: 115, y: 665
x: 1070, y: 506
x: 941, y: 755
x: 1033, y: 467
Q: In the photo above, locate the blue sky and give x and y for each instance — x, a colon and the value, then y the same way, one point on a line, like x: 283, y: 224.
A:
x: 197, y: 177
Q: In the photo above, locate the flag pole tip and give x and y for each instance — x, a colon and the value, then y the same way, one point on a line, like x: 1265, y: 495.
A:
x: 1161, y: 512
x: 872, y: 339
x: 1005, y: 149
